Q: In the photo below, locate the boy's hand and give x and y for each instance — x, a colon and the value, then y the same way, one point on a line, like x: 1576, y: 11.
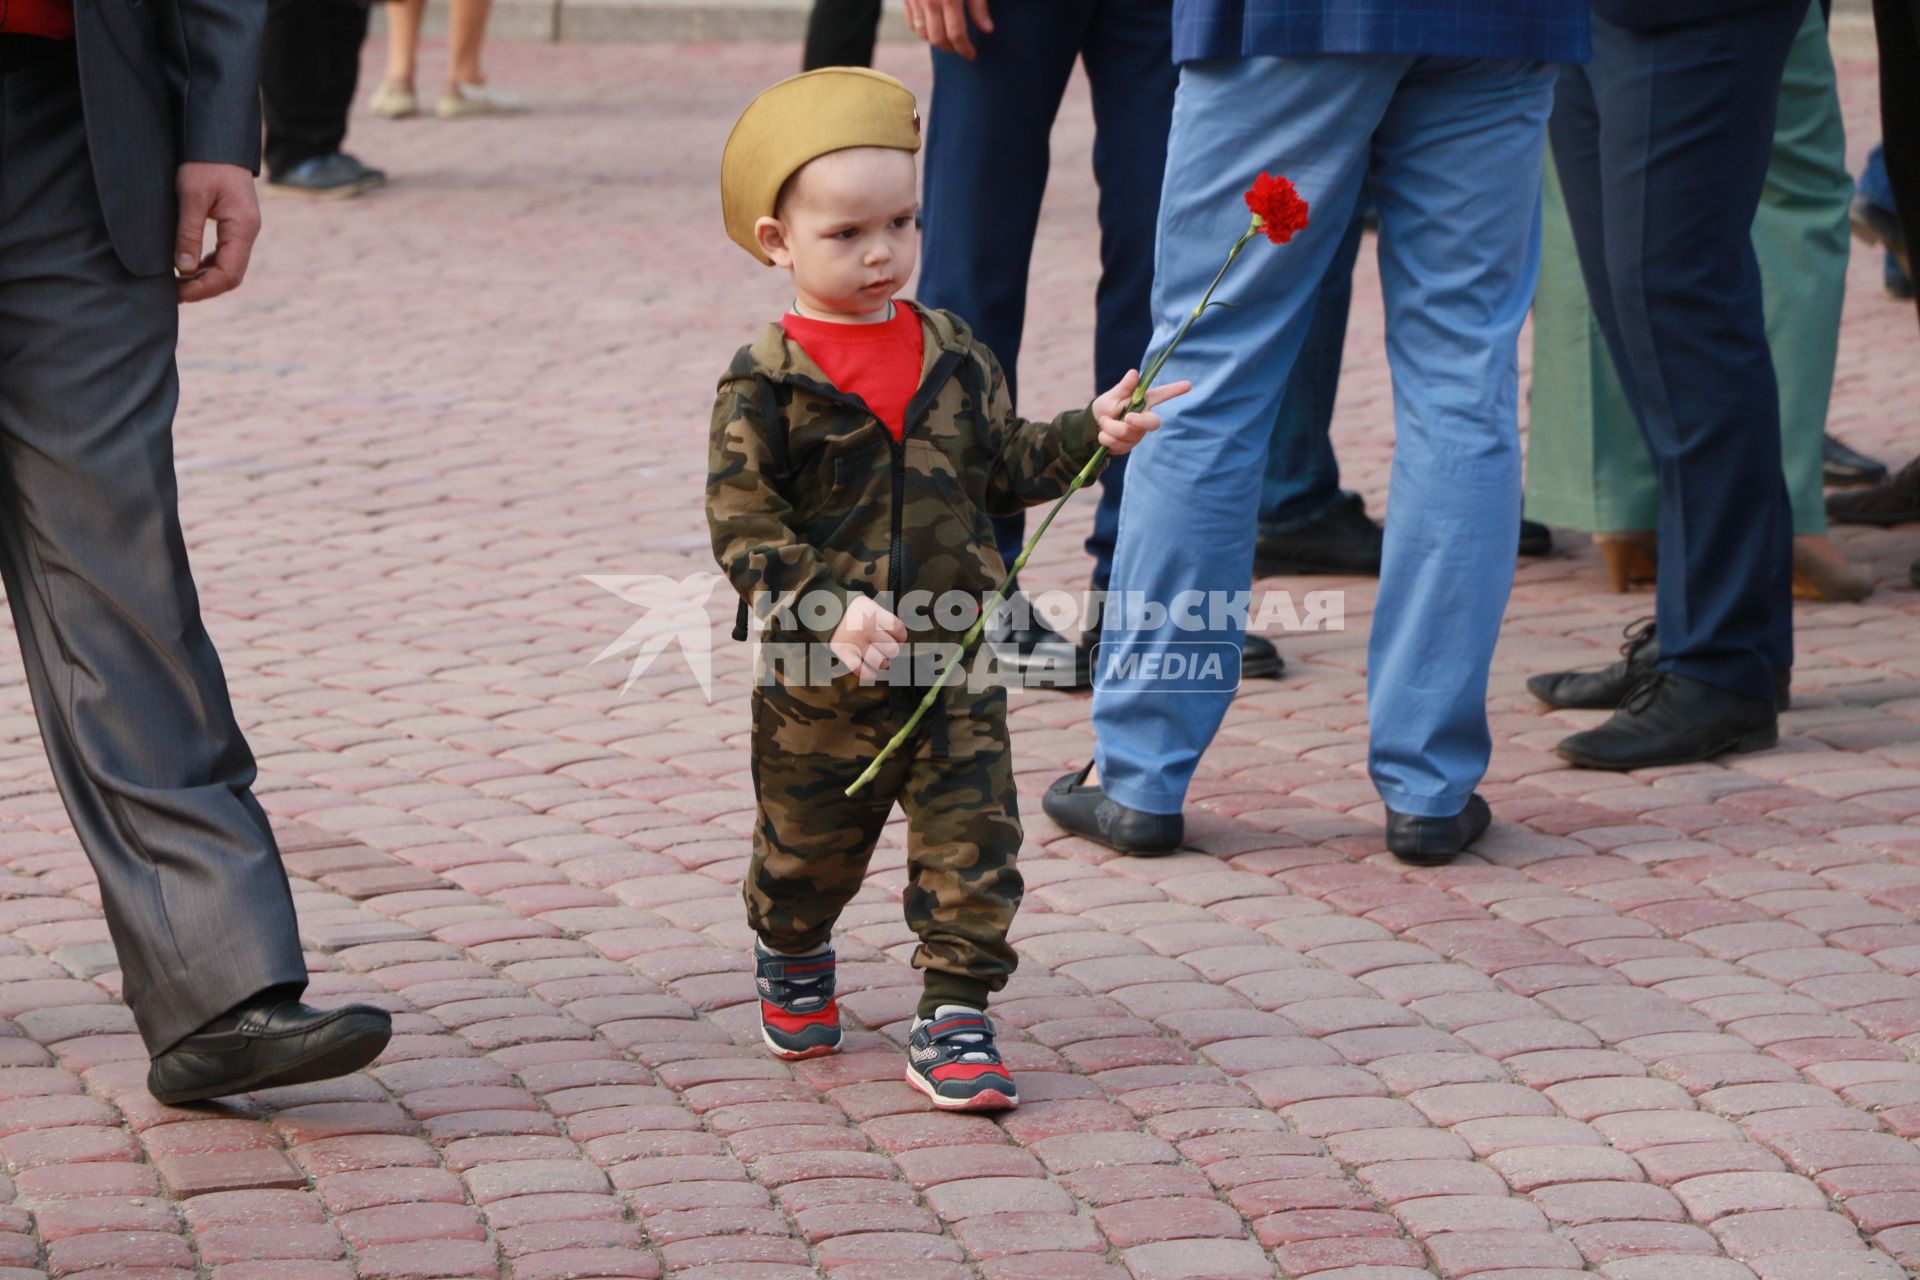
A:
x: 867, y: 638
x: 1120, y: 433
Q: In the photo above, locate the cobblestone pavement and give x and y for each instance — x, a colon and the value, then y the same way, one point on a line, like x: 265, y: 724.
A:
x: 1661, y: 1027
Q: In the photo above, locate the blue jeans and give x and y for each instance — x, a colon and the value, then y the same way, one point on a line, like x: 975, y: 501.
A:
x: 1450, y: 149
x: 986, y: 164
x: 1302, y: 480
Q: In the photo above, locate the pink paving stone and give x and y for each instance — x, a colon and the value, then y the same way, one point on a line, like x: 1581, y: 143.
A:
x: 1197, y: 1260
x: 1460, y: 1253
x: 1605, y: 1241
x: 1529, y: 1168
x: 1436, y: 1214
x: 1124, y: 1183
x: 1716, y: 1195
x: 604, y: 1264
x: 1757, y: 1235
x: 427, y: 1260
x: 977, y: 1197
x: 1049, y: 1266
x: 1000, y: 1234
x: 401, y: 1223
x: 1145, y: 1221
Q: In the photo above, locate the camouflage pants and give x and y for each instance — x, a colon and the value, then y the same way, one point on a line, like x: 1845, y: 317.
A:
x: 811, y: 841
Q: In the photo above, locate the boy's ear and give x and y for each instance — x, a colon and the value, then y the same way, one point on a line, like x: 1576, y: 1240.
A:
x: 771, y: 234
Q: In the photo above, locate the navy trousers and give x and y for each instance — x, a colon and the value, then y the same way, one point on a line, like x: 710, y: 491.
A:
x: 987, y: 157
x: 1662, y: 142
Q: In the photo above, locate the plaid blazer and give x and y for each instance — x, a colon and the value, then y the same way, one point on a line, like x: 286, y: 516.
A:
x: 1530, y: 30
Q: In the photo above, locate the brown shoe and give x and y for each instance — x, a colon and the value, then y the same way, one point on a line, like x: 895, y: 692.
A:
x: 1891, y: 502
x: 1820, y: 572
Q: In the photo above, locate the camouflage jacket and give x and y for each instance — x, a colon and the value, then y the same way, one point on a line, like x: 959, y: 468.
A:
x: 850, y: 509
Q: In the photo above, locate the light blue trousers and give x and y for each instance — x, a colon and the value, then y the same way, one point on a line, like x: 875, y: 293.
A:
x: 1452, y: 149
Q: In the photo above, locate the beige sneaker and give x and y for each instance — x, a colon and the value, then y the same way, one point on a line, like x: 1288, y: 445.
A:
x: 462, y: 100
x: 394, y: 102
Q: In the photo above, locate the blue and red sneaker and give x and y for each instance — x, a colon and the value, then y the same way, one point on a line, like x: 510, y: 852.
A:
x: 799, y: 1017
x: 952, y: 1059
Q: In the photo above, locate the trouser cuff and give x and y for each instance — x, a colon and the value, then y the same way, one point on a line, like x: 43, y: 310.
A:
x: 951, y: 988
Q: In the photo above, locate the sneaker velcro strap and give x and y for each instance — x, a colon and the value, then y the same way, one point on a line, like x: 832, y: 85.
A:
x: 815, y: 972
x: 961, y: 1024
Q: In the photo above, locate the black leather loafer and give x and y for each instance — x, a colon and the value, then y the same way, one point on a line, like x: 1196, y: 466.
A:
x: 273, y: 1041
x: 1891, y: 502
x: 1434, y: 842
x: 1535, y: 539
x: 1841, y: 466
x: 1671, y: 719
x: 1086, y: 811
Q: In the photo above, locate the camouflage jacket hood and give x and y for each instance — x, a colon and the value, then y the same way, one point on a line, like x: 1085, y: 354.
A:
x: 809, y: 497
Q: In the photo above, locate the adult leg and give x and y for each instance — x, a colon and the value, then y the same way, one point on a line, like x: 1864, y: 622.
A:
x: 1301, y: 482
x: 1897, y: 28
x: 1456, y: 177
x: 404, y: 19
x: 130, y: 696
x: 1587, y: 467
x: 466, y: 32
x: 1685, y: 122
x: 1128, y: 53
x: 310, y: 64
x: 987, y: 157
x: 840, y: 33
x: 1187, y: 523
x: 1800, y: 239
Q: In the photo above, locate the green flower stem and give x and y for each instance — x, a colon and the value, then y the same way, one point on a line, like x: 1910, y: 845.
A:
x: 999, y: 593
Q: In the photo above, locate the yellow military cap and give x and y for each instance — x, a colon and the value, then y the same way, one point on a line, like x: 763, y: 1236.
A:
x: 801, y: 119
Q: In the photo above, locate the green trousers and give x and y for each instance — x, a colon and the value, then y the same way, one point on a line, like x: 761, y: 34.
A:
x: 1587, y: 466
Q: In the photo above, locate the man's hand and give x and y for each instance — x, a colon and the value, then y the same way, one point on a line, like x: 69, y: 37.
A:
x: 943, y: 23
x: 222, y: 194
x: 1120, y: 431
x: 867, y: 638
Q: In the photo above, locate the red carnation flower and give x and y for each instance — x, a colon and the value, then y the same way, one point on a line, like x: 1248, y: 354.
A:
x: 1277, y: 208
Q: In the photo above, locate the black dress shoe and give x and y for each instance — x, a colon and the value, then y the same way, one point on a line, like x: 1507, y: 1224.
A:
x: 337, y: 176
x: 1535, y: 539
x: 1607, y: 688
x: 1434, y: 842
x: 1891, y: 502
x: 1601, y: 690
x: 272, y: 1040
x: 1843, y: 467
x: 1085, y: 811
x: 1671, y: 719
x: 1023, y: 642
x: 1259, y: 660
x: 1342, y: 541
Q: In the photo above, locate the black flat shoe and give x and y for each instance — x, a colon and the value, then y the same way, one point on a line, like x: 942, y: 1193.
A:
x: 1085, y: 811
x: 1342, y: 541
x: 1535, y: 539
x: 273, y: 1041
x: 1671, y: 719
x: 1601, y: 690
x: 1843, y: 467
x: 1434, y: 842
x: 1891, y: 502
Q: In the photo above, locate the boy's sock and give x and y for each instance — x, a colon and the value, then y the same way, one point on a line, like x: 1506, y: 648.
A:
x: 761, y: 946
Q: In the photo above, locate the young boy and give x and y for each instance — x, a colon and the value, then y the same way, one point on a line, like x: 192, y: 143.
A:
x: 858, y: 448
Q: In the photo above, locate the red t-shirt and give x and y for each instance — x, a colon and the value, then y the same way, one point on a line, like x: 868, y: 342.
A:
x: 880, y: 363
x: 50, y: 18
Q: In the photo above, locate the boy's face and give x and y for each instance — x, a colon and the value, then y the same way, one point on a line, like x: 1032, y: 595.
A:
x: 846, y: 231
